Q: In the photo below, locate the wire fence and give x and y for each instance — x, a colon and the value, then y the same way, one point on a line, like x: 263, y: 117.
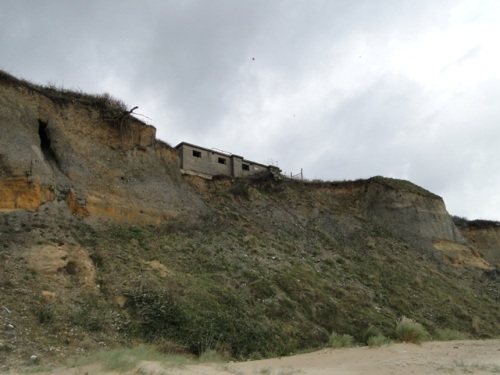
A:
x: 297, y: 176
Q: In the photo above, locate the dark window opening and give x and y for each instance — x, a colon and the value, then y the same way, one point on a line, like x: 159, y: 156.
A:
x: 222, y: 161
x: 45, y: 143
x: 245, y: 167
x: 197, y: 154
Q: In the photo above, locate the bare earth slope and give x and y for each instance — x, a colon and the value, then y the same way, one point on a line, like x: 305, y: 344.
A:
x: 433, y: 358
x: 104, y: 243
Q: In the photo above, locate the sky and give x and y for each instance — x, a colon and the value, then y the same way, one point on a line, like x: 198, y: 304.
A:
x: 342, y: 89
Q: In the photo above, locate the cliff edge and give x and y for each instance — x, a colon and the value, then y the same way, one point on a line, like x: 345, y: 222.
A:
x: 103, y: 242
x: 89, y: 152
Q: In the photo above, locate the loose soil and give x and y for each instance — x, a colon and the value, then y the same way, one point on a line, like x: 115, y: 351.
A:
x: 470, y: 357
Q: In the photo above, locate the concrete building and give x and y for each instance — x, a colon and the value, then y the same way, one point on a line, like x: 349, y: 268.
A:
x: 207, y: 163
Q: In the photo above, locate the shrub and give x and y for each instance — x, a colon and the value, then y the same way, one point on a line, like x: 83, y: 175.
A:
x: 370, y: 332
x: 45, y: 312
x: 340, y: 341
x: 202, y: 323
x: 407, y: 330
x: 376, y: 341
x: 92, y: 316
x: 210, y: 355
x: 373, y: 337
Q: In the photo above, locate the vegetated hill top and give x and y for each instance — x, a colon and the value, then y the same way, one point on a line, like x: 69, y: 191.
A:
x: 105, y: 243
x: 104, y: 103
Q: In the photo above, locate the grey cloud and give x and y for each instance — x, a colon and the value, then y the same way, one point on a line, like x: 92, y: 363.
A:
x: 319, y: 94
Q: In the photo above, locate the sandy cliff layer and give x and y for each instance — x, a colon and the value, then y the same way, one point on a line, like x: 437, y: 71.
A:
x: 487, y: 241
x: 102, y: 167
x: 104, y: 163
x: 103, y: 241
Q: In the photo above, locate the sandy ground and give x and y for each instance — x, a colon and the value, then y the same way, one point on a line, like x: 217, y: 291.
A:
x: 459, y: 357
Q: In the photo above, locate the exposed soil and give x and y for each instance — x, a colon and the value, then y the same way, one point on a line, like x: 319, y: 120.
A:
x: 105, y: 244
x: 470, y: 357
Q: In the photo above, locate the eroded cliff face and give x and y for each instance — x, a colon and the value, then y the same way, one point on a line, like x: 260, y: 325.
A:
x: 420, y: 218
x: 487, y: 241
x: 257, y: 255
x: 408, y: 212
x: 103, y: 168
x: 111, y: 166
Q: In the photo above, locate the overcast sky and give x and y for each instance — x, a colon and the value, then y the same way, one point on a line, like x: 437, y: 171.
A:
x: 344, y: 89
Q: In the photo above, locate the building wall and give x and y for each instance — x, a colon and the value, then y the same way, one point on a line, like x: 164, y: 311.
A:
x: 211, y: 162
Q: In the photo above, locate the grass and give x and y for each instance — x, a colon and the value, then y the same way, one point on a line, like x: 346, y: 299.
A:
x: 45, y: 311
x: 103, y: 102
x: 407, y: 330
x: 377, y: 341
x: 276, y: 280
x: 125, y: 359
x: 340, y: 341
x: 463, y: 222
x: 211, y: 355
x: 471, y: 368
x: 447, y: 334
x: 112, y: 111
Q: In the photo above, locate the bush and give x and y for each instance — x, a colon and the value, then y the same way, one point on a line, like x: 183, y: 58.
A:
x: 407, y: 330
x: 45, y: 312
x: 376, y: 341
x: 210, y: 355
x: 202, y: 324
x: 373, y: 337
x: 370, y: 332
x: 340, y: 341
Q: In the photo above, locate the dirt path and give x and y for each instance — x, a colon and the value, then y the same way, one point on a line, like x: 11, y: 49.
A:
x: 459, y: 357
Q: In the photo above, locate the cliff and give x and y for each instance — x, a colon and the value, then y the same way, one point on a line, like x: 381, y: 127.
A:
x: 483, y: 235
x: 89, y: 152
x: 104, y: 242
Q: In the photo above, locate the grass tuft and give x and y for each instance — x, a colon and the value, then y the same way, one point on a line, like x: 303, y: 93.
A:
x: 373, y: 337
x: 407, y: 330
x: 377, y: 341
x: 340, y: 341
x: 447, y: 334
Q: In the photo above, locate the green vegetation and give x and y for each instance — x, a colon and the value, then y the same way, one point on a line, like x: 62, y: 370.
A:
x: 463, y: 222
x: 269, y: 272
x: 446, y: 334
x: 112, y: 110
x: 407, y: 330
x: 376, y: 341
x: 373, y: 337
x: 61, y: 95
x: 45, y: 311
x: 340, y: 341
x: 403, y: 185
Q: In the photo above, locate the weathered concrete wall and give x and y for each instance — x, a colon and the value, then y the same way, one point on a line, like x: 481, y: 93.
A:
x: 211, y: 162
x: 201, y: 160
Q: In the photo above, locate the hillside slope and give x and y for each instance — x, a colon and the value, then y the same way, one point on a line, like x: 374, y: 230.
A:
x: 105, y: 243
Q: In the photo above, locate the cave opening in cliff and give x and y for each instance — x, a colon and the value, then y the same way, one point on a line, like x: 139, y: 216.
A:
x: 45, y: 143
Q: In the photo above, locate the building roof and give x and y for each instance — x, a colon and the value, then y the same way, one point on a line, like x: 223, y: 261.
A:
x: 221, y: 153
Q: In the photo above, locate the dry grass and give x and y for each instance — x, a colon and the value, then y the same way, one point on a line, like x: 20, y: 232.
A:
x: 407, y: 330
